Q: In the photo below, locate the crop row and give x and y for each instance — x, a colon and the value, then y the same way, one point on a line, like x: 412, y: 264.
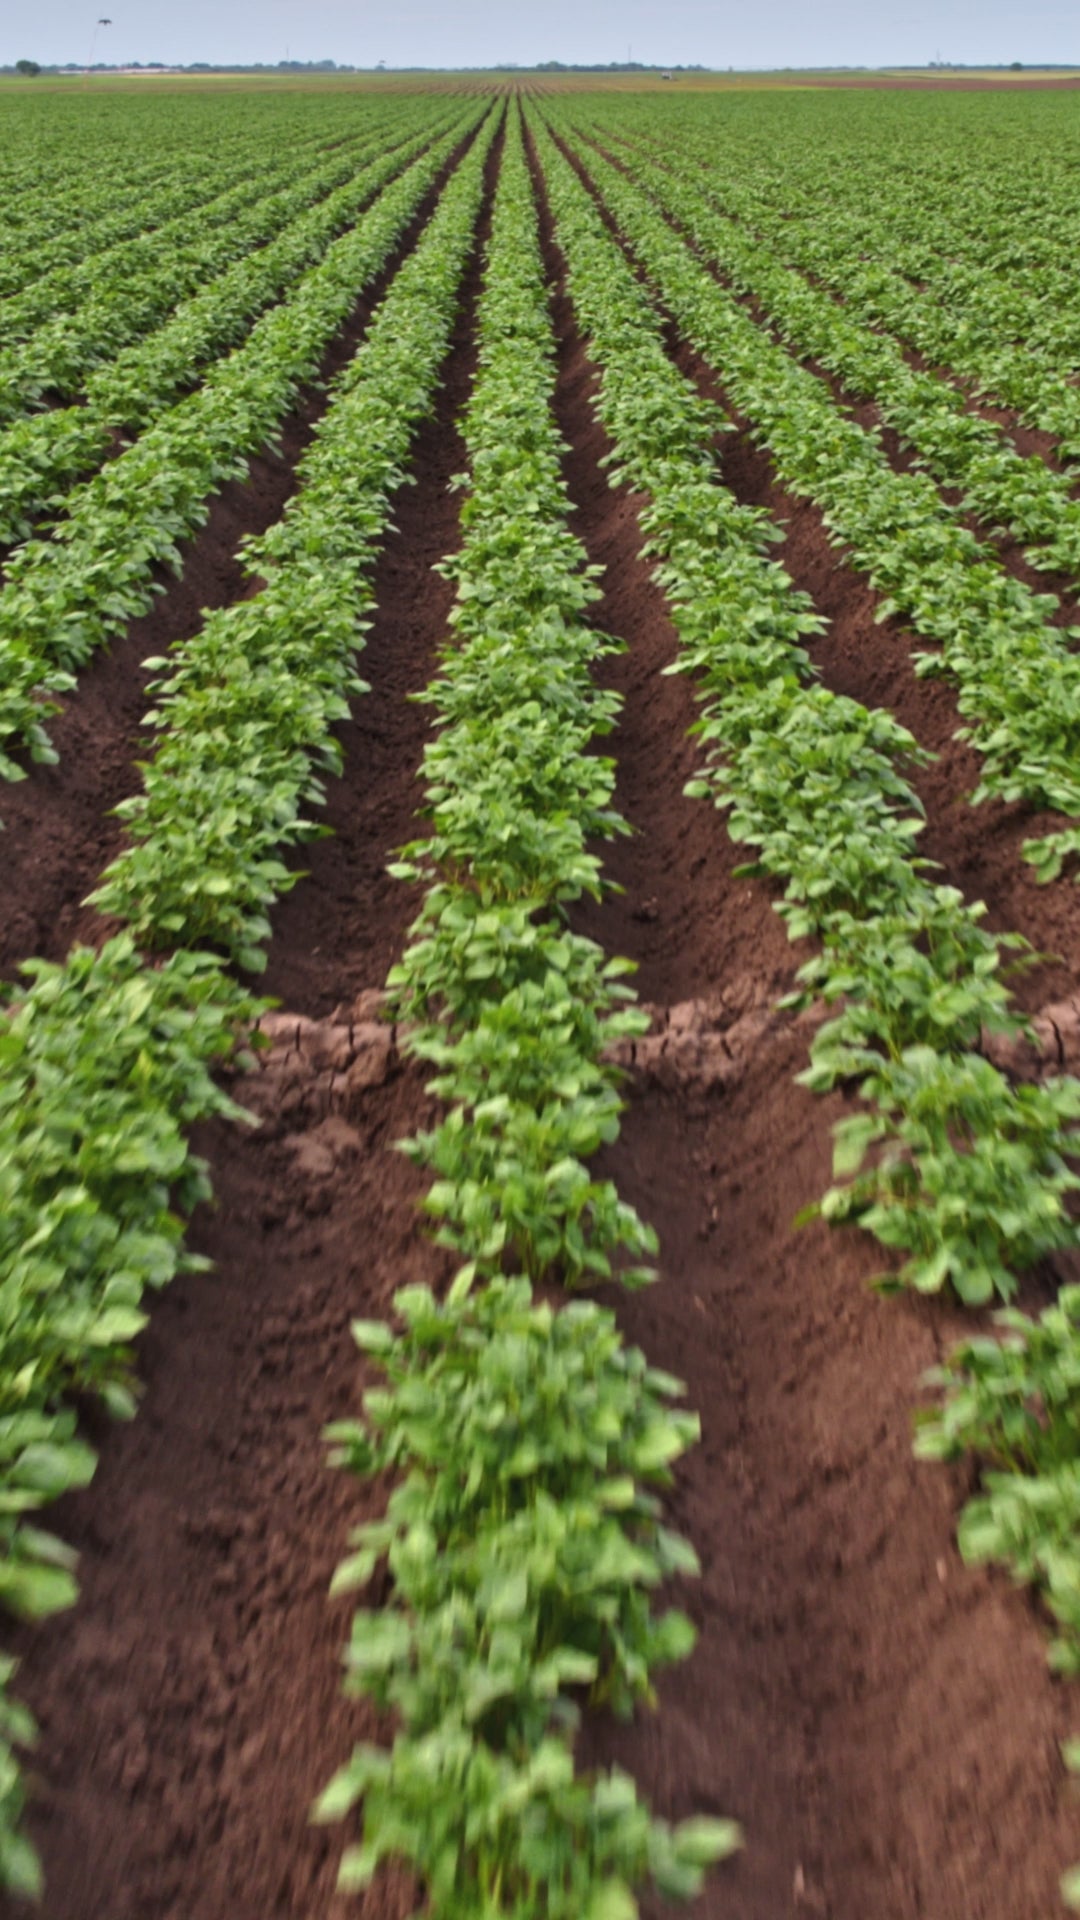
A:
x: 989, y: 244
x: 1004, y: 280
x: 41, y: 454
x: 108, y: 1060
x: 813, y: 782
x: 172, y: 247
x: 106, y: 1066
x: 66, y: 596
x: 59, y: 269
x: 1018, y: 680
x: 245, y: 712
x: 38, y: 230
x: 523, y: 1538
x: 968, y: 1174
x: 1012, y: 371
x: 1001, y: 304
x: 1009, y: 371
x: 1008, y: 490
x: 1018, y: 348
x: 132, y: 297
x: 131, y: 300
x: 97, y: 192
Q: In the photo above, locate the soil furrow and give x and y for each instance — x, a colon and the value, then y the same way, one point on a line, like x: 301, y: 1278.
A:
x: 203, y: 1634
x: 867, y: 414
x: 869, y: 1709
x: 977, y: 849
x: 58, y: 831
x: 680, y: 914
x: 902, y: 457
x: 1026, y: 440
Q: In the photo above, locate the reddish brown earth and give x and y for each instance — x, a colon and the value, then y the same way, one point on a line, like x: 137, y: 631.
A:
x: 190, y: 1706
x: 679, y: 894
x: 58, y: 832
x: 978, y: 850
x: 839, y: 1632
x: 881, y: 1720
x: 350, y: 907
x: 1027, y: 441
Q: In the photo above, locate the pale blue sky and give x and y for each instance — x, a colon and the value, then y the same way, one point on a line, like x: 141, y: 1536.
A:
x: 485, y: 32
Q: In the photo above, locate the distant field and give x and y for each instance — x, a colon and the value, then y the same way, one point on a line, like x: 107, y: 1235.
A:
x: 411, y: 82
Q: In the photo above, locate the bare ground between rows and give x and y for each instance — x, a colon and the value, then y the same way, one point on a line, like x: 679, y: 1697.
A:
x: 870, y: 1710
x: 904, y: 458
x: 978, y: 850
x: 871, y: 1722
x: 190, y: 1705
x: 880, y: 1719
x: 58, y: 831
x: 1026, y: 440
x: 680, y: 914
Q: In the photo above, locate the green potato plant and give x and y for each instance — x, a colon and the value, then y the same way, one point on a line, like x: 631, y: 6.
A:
x: 965, y: 1174
x: 108, y: 1060
x: 66, y: 596
x: 522, y: 1545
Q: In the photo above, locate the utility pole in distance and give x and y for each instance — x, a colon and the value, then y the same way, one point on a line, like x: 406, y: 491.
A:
x: 93, y: 44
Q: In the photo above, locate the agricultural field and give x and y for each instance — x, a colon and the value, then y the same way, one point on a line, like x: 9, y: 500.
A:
x: 540, y: 1024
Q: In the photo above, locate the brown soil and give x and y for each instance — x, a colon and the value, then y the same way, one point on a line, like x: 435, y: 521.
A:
x: 881, y: 1720
x: 190, y: 1706
x: 679, y: 894
x: 58, y: 832
x: 339, y: 931
x: 839, y: 1632
x: 978, y: 850
x: 870, y: 1710
x: 866, y: 413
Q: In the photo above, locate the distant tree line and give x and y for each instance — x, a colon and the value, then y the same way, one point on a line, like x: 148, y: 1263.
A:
x: 29, y: 69
x: 600, y: 66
